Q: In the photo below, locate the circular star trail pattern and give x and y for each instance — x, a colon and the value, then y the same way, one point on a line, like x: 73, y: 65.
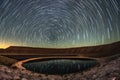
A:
x: 59, y: 23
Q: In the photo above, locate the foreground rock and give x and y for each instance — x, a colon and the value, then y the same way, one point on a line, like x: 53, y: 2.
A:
x: 106, y: 71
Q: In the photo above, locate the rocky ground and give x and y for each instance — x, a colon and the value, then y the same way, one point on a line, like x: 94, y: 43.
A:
x: 105, y: 71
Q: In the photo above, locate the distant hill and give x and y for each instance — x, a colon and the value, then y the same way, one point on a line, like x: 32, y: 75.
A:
x: 90, y: 51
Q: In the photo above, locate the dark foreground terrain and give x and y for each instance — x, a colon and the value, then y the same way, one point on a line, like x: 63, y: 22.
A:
x: 105, y: 71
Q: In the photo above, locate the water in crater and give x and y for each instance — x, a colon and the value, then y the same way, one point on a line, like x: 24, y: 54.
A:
x: 59, y: 66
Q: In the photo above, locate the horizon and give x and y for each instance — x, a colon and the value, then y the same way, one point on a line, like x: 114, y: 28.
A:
x: 5, y: 46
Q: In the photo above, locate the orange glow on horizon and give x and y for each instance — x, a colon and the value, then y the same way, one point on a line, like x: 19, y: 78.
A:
x: 3, y: 46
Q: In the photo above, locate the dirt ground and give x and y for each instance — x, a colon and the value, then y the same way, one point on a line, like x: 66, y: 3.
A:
x: 105, y: 71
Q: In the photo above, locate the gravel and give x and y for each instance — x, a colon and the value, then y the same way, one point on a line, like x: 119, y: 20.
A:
x: 105, y: 71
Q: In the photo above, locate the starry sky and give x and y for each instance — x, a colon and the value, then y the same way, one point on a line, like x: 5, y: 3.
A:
x: 59, y: 23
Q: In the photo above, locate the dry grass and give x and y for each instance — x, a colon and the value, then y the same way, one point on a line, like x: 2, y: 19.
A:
x: 7, y: 61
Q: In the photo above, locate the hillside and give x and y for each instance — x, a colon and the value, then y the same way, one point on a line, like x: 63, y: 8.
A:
x: 90, y: 51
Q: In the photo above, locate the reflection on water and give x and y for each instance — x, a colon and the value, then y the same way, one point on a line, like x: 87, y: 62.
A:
x: 59, y: 66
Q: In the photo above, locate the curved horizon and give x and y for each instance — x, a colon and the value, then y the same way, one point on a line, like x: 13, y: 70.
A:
x: 5, y: 47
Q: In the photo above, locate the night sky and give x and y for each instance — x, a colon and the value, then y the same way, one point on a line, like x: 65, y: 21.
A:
x: 59, y: 23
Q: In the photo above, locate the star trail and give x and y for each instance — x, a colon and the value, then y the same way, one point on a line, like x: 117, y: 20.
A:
x: 59, y: 23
